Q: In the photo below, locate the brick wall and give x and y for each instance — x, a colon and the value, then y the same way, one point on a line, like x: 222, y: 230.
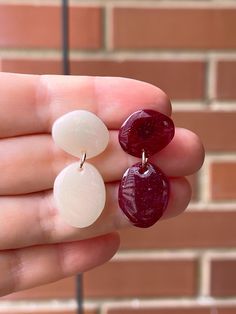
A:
x: 188, y: 48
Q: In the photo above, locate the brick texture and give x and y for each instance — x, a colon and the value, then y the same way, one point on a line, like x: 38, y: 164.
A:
x: 206, y: 124
x: 223, y: 278
x: 142, y: 279
x: 189, y: 230
x: 226, y: 77
x: 164, y: 74
x: 136, y: 28
x: 223, y: 180
x: 32, y: 26
x: 160, y: 73
x: 32, y: 66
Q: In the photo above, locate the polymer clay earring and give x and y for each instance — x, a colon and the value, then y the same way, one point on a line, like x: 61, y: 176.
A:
x: 79, y: 190
x: 144, y: 189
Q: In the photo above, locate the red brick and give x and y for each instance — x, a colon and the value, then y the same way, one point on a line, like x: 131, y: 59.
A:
x: 223, y: 180
x: 120, y: 279
x: 133, y: 278
x: 149, y: 28
x: 223, y: 278
x: 32, y: 26
x: 216, y: 129
x: 189, y: 230
x: 164, y: 74
x: 195, y: 310
x: 32, y: 66
x: 226, y: 77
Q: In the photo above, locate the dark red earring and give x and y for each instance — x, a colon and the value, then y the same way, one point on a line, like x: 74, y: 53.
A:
x: 144, y: 189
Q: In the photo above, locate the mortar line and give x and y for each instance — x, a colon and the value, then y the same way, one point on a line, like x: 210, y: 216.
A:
x: 211, y: 80
x: 156, y: 255
x: 179, y: 55
x: 204, y: 181
x: 171, y: 303
x: 213, y: 207
x: 166, y: 3
x: 204, y: 275
x: 23, y: 306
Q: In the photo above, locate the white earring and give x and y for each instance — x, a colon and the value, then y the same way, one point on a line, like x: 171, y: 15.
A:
x: 79, y: 189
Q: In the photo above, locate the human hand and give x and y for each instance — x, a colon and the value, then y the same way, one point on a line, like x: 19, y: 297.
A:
x: 36, y: 245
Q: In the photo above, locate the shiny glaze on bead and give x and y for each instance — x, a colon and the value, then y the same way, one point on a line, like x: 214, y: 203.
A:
x: 143, y: 194
x: 79, y: 194
x: 146, y: 130
x: 79, y: 132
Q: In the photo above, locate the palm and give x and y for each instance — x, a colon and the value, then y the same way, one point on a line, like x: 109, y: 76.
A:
x: 36, y: 246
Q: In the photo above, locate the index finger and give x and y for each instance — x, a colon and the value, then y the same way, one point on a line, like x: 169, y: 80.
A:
x: 30, y: 104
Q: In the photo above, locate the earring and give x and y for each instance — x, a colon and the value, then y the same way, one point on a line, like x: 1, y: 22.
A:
x: 144, y: 189
x: 79, y: 190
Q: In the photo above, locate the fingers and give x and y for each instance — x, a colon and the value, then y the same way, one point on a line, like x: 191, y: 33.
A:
x: 179, y: 203
x: 38, y: 210
x: 33, y: 266
x: 37, y: 101
x: 183, y: 156
x: 37, y: 161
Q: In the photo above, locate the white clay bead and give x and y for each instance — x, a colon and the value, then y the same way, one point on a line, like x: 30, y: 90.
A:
x: 80, y: 131
x: 79, y: 194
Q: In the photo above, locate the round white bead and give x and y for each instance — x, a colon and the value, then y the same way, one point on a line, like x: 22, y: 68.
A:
x: 80, y: 131
x: 79, y: 194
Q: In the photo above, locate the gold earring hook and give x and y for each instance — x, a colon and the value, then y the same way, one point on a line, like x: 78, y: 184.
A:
x: 82, y: 160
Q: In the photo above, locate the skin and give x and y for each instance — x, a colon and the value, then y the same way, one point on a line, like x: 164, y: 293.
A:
x: 36, y: 246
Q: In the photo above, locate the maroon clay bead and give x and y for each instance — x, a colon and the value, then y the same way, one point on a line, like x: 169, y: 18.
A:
x: 143, y: 194
x: 146, y: 130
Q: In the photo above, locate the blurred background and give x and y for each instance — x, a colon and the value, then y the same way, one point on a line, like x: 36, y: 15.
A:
x: 185, y: 265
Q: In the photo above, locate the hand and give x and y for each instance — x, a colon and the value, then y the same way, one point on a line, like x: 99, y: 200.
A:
x: 37, y: 247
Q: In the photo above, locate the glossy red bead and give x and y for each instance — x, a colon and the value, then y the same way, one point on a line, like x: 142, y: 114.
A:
x: 146, y: 130
x: 143, y: 194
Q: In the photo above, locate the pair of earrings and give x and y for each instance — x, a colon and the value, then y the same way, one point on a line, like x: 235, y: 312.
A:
x: 79, y: 190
